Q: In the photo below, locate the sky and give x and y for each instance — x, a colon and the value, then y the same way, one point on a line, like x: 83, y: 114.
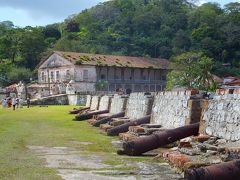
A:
x: 42, y: 12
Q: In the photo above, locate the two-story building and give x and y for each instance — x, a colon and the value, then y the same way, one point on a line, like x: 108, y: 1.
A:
x: 87, y: 71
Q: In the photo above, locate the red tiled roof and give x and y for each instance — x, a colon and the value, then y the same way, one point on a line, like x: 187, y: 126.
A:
x: 118, y: 61
x: 12, y: 86
x: 234, y: 82
x: 230, y: 77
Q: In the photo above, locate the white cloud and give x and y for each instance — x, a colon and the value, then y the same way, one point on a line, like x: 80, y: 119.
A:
x: 41, y: 12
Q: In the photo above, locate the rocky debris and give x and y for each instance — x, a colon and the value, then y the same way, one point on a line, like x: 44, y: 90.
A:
x: 201, y: 151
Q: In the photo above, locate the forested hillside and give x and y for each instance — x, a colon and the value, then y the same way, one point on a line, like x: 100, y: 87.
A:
x: 154, y: 28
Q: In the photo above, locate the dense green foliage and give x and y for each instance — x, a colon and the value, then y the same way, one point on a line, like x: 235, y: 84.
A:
x: 153, y: 28
x: 193, y: 71
x: 156, y: 28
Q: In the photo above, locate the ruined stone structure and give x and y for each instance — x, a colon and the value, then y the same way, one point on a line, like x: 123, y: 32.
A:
x: 95, y: 103
x: 88, y: 100
x: 77, y: 100
x: 221, y: 116
x: 174, y: 109
x: 91, y: 72
x: 105, y: 103
x: 118, y: 104
x: 139, y: 105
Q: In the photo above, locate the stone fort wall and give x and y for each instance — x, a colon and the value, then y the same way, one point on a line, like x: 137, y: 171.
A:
x: 173, y: 109
x: 95, y: 103
x: 221, y: 115
x: 104, y: 103
x: 139, y: 105
x: 118, y: 104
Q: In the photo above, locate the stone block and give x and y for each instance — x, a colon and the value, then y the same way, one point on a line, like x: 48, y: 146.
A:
x: 185, y: 144
x: 177, y: 159
x: 200, y: 139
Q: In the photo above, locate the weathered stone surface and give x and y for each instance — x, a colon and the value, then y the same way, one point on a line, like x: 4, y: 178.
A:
x: 75, y: 99
x: 171, y: 109
x: 52, y: 100
x: 221, y: 118
x: 104, y: 103
x: 139, y: 105
x: 88, y: 100
x: 118, y: 104
x: 95, y: 103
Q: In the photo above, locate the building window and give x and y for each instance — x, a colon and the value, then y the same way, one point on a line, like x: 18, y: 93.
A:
x: 68, y: 72
x: 85, y: 75
x: 57, y: 76
x: 103, y: 76
x: 164, y: 78
x: 42, y: 75
x: 68, y: 75
x: 52, y: 76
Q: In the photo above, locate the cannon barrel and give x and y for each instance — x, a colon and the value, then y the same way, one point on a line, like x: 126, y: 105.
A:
x: 89, y: 115
x: 76, y: 111
x: 158, y: 139
x: 228, y: 170
x: 124, y: 127
x: 107, y: 119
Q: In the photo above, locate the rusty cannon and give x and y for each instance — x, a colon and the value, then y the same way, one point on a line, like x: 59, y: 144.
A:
x: 158, y: 139
x: 89, y: 115
x: 107, y: 119
x: 228, y: 170
x: 124, y: 127
x: 77, y: 111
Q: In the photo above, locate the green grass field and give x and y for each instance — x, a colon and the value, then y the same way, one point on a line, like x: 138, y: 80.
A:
x: 50, y: 127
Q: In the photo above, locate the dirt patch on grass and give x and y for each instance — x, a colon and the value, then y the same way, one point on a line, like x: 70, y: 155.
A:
x: 72, y: 164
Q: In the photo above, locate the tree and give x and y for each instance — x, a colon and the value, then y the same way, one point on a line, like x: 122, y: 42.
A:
x: 32, y: 46
x: 72, y: 26
x: 10, y: 44
x: 193, y: 70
